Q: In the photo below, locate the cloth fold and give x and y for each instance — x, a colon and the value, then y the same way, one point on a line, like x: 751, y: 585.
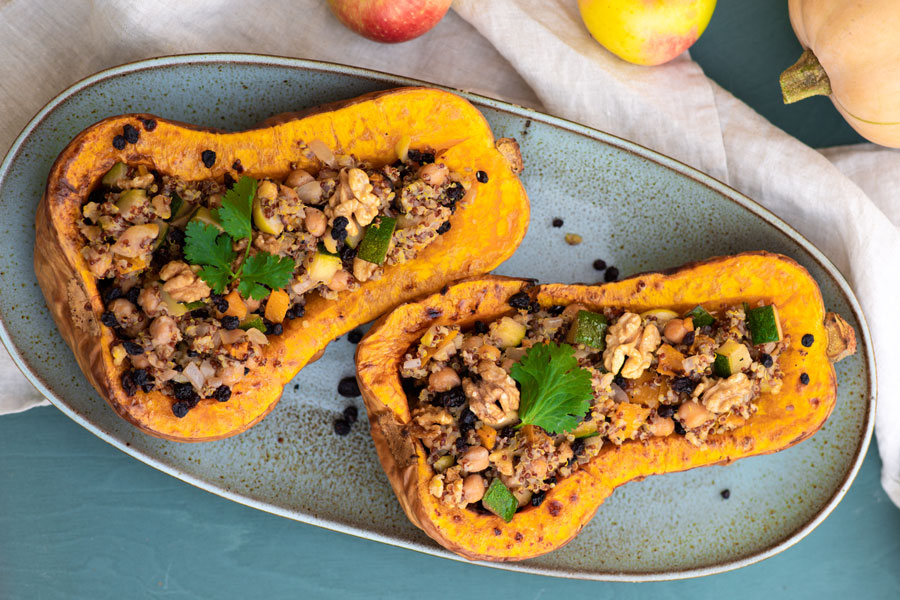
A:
x: 534, y: 53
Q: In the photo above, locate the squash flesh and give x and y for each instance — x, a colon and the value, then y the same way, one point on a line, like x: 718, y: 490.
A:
x: 782, y: 420
x: 367, y: 127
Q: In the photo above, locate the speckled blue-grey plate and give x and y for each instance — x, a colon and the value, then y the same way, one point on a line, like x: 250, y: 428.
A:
x: 634, y: 208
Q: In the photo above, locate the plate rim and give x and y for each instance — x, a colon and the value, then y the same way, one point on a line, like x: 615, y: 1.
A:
x: 722, y: 189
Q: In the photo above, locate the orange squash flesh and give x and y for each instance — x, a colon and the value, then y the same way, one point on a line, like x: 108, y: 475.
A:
x: 483, y: 233
x: 782, y: 420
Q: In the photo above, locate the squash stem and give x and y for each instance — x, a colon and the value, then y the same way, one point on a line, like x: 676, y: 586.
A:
x: 805, y: 78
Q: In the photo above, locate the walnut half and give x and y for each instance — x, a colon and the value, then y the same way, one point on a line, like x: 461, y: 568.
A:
x: 841, y: 338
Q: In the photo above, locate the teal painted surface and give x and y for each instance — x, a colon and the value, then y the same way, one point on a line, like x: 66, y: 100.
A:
x: 80, y: 519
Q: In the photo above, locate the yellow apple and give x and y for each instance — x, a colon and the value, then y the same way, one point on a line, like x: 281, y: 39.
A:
x: 646, y: 32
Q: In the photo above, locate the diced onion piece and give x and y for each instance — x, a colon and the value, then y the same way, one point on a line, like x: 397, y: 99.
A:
x: 195, y: 376
x: 323, y: 152
x: 257, y: 337
x: 231, y: 337
x: 619, y: 394
x: 310, y: 193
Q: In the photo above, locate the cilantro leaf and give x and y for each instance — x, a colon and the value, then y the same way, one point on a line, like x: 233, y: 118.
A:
x: 215, y: 277
x: 264, y: 269
x: 236, y: 210
x: 555, y: 391
x: 205, y: 245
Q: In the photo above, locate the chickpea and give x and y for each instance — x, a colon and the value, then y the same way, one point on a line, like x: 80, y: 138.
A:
x: 266, y: 190
x: 473, y: 342
x: 475, y: 459
x: 540, y: 467
x: 297, y: 177
x: 675, y: 330
x: 692, y: 414
x: 473, y: 488
x: 315, y: 221
x: 433, y: 174
x: 443, y: 380
x: 489, y: 352
x: 661, y: 426
x: 340, y: 281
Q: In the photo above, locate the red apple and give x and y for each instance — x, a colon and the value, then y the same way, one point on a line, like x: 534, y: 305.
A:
x: 390, y: 20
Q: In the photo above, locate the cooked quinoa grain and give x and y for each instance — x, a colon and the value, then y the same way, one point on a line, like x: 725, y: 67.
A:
x: 465, y: 406
x: 195, y: 345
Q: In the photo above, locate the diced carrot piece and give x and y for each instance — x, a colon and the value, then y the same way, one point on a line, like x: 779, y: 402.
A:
x: 487, y: 435
x: 669, y: 361
x: 236, y: 305
x: 277, y: 306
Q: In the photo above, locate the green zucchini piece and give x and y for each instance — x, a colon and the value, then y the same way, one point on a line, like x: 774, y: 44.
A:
x: 194, y: 305
x: 176, y: 206
x: 253, y: 322
x: 176, y: 309
x: 700, y: 317
x: 500, y: 501
x: 588, y: 328
x: 585, y: 429
x: 116, y: 172
x: 731, y: 357
x: 163, y: 232
x: 444, y: 463
x: 204, y: 215
x: 509, y: 333
x: 764, y: 325
x: 375, y: 244
x: 324, y: 265
x: 128, y: 199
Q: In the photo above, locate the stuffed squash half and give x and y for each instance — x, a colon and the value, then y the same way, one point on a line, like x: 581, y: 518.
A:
x: 194, y: 272
x: 504, y: 413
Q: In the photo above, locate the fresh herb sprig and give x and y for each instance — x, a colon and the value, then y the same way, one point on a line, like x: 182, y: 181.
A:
x: 555, y: 391
x: 205, y: 245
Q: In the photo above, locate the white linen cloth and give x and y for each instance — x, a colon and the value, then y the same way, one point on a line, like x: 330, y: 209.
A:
x: 535, y: 53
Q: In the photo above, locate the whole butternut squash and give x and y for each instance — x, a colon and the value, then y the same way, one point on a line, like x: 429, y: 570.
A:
x: 851, y: 54
x: 784, y: 418
x: 484, y: 231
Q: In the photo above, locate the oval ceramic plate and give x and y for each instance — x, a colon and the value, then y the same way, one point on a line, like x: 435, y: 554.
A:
x: 634, y: 208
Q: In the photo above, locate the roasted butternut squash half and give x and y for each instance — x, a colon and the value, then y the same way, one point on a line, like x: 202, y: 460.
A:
x: 194, y: 272
x: 505, y: 413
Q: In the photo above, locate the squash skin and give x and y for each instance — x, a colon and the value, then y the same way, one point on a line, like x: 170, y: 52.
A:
x: 368, y: 127
x: 782, y: 421
x: 864, y: 77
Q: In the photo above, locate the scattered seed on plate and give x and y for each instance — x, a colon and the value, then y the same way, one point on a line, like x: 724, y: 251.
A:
x: 557, y: 222
x: 807, y: 340
x: 481, y: 176
x: 611, y: 274
x: 600, y: 264
x: 341, y: 426
x: 573, y: 239
x: 804, y: 378
x: 726, y: 494
x: 355, y: 336
x: 348, y: 387
x: 351, y: 414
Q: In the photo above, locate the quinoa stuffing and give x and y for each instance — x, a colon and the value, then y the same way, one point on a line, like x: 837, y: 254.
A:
x: 505, y: 409
x: 196, y: 276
